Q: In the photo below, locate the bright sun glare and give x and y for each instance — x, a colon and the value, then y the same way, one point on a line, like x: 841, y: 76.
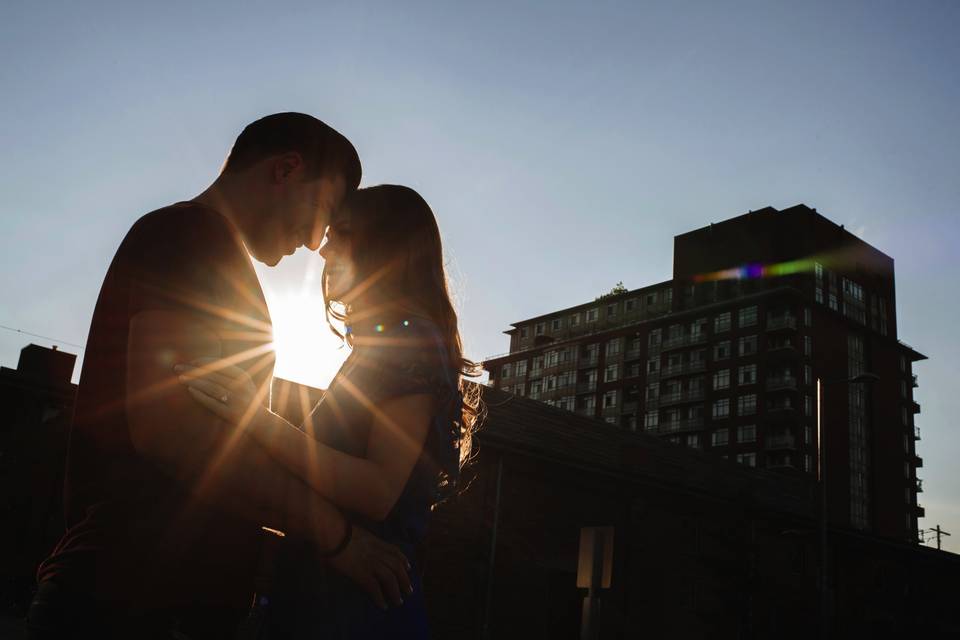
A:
x: 307, y: 352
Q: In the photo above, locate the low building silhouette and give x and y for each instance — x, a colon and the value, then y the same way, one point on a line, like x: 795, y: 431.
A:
x: 36, y: 405
x: 703, y: 547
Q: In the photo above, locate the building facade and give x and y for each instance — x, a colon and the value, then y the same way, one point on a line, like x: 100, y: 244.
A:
x: 726, y: 358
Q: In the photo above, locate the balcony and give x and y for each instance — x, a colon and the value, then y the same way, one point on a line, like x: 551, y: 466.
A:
x: 778, y: 323
x: 915, y: 406
x: 913, y: 380
x: 917, y: 461
x: 652, y: 403
x: 780, y: 408
x: 653, y: 376
x: 786, y: 348
x: 589, y: 360
x: 629, y: 407
x: 683, y: 341
x: 654, y: 348
x: 677, y: 426
x: 633, y: 354
x: 672, y: 370
x: 780, y: 441
x: 586, y: 387
x: 916, y: 433
x: 919, y: 511
x: 918, y: 485
x: 780, y: 383
x: 679, y: 397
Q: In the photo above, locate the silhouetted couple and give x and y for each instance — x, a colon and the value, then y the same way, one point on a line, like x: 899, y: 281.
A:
x: 178, y: 472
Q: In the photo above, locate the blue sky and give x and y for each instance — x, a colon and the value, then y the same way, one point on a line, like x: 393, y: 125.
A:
x: 561, y: 145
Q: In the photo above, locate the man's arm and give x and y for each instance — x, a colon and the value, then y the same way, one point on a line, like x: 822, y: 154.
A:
x: 216, y: 462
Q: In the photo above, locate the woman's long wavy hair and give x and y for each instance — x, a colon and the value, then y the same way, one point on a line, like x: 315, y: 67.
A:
x: 398, y: 262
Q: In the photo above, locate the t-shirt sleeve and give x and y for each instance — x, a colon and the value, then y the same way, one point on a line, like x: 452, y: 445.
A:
x: 406, y: 361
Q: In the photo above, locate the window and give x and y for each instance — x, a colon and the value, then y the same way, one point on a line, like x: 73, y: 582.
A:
x: 747, y: 405
x: 556, y: 324
x: 506, y: 371
x: 630, y: 305
x: 611, y: 373
x: 747, y: 459
x: 567, y: 403
x: 634, y: 370
x: 536, y: 366
x: 552, y: 358
x: 591, y: 351
x: 653, y: 391
x: 612, y: 310
x: 539, y: 328
x: 651, y: 419
x: 590, y: 403
x: 808, y: 435
x: 807, y: 317
x: 721, y: 350
x: 807, y: 374
x: 807, y: 346
x: 610, y: 419
x: 747, y: 433
x: 550, y: 383
x: 747, y: 345
x: 519, y: 389
x: 653, y: 338
x: 807, y: 405
x: 535, y: 387
x: 693, y: 440
x: 630, y: 422
x: 903, y: 389
x: 698, y: 328
x: 575, y: 320
x: 721, y: 322
x: 721, y: 408
x: 653, y: 365
x: 651, y: 298
x: 592, y: 315
x: 610, y: 399
x: 721, y: 379
x: 524, y: 332
x: 614, y: 346
x: 747, y: 374
x: 747, y: 317
x: 808, y: 463
x: 520, y: 368
x: 720, y: 437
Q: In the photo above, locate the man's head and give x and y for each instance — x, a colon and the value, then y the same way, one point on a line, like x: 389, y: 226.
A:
x: 290, y: 170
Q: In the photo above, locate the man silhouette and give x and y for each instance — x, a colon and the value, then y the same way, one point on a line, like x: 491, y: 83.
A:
x: 164, y: 503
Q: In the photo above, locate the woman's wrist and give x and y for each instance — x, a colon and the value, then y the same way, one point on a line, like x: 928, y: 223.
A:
x: 343, y: 544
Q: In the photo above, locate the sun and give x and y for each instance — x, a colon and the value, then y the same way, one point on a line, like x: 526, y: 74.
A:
x: 307, y: 352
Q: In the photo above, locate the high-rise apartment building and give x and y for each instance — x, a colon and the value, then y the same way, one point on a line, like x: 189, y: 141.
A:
x: 726, y: 358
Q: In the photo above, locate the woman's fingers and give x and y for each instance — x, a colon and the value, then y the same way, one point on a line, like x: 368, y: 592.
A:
x: 390, y: 582
x: 215, y: 406
x: 399, y: 568
x: 212, y: 389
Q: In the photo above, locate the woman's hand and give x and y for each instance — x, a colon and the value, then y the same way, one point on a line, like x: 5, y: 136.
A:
x: 229, y: 392
x: 378, y: 568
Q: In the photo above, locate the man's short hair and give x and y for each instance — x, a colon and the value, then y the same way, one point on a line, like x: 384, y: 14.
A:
x: 324, y: 150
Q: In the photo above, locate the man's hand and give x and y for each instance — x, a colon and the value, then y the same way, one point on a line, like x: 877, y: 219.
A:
x: 378, y: 568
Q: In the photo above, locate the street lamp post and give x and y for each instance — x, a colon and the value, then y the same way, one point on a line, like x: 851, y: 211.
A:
x: 868, y: 378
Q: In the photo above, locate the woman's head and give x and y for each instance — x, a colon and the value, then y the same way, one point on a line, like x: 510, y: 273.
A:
x: 383, y: 259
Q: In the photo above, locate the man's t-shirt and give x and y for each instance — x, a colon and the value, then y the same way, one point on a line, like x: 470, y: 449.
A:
x: 134, y: 537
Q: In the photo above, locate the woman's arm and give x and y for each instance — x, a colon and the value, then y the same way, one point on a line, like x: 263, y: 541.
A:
x: 369, y: 486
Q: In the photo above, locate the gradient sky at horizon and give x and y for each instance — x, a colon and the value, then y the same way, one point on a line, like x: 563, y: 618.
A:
x: 562, y: 146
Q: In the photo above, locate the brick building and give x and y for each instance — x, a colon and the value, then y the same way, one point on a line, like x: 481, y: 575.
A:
x: 725, y: 357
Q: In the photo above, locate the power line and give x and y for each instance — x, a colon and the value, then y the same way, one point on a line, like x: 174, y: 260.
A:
x: 37, y: 335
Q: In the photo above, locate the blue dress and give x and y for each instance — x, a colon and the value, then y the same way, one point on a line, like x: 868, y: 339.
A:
x: 404, y: 357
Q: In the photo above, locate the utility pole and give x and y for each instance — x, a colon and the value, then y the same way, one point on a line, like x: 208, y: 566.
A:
x: 937, y: 530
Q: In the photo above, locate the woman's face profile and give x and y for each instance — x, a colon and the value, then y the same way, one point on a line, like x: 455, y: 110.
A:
x: 337, y: 253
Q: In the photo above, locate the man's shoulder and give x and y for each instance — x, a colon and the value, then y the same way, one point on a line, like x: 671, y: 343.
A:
x: 186, y: 221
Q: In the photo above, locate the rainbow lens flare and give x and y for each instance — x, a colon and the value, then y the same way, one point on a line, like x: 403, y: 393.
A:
x: 755, y: 271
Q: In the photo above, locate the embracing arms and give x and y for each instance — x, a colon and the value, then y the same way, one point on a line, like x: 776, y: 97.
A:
x: 221, y: 465
x: 369, y: 486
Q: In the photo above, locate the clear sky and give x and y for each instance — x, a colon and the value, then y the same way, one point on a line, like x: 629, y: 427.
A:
x: 561, y: 145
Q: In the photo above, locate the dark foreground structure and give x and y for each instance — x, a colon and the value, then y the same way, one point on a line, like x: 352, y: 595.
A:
x: 704, y: 548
